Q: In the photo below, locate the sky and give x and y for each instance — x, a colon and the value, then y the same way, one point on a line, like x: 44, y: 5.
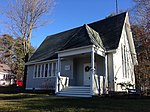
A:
x: 68, y: 14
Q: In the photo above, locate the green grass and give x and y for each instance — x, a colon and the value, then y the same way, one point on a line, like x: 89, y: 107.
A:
x: 43, y: 102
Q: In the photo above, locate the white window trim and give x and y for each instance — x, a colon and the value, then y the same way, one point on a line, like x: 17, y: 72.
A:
x: 53, y: 73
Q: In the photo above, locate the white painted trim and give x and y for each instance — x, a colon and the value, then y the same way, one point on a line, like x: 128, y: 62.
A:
x: 131, y: 43
x: 113, y: 66
x: 111, y: 51
x: 32, y: 63
x: 92, y: 71
x: 58, y: 75
x: 130, y: 38
x: 106, y: 76
x: 73, y: 49
x: 99, y: 52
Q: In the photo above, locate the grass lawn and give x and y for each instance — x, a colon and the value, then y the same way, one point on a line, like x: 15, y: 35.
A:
x: 42, y: 102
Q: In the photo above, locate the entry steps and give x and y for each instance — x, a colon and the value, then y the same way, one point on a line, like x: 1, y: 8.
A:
x: 75, y: 91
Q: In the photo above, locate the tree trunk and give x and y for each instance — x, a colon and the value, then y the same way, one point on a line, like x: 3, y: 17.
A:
x: 25, y: 71
x: 27, y: 53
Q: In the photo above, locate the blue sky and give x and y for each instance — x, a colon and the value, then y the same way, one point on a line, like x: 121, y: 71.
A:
x: 68, y: 14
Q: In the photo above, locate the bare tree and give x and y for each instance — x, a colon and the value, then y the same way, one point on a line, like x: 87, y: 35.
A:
x: 141, y: 33
x: 142, y: 13
x: 25, y: 16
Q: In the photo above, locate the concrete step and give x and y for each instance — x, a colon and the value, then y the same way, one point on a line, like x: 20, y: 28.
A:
x: 74, y: 95
x: 66, y: 92
x: 79, y: 87
x: 75, y: 91
x: 71, y: 89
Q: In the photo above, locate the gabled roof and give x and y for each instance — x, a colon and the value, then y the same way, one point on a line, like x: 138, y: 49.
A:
x: 83, y: 37
x: 110, y: 30
x: 105, y: 33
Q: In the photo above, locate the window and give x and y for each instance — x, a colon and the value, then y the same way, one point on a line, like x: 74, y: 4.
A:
x: 122, y: 52
x: 42, y: 70
x: 39, y: 70
x: 35, y: 70
x: 50, y: 68
x: 128, y: 66
x: 125, y: 65
x: 125, y: 61
x: 45, y: 70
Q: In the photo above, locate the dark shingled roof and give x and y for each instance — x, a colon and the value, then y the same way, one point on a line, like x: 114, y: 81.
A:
x: 83, y: 37
x: 105, y: 33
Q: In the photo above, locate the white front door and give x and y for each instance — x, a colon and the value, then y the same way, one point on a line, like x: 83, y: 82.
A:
x: 87, y: 68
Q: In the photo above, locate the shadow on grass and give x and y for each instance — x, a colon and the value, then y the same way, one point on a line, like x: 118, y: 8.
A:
x: 88, y: 104
x: 13, y: 89
x: 15, y: 92
x: 18, y: 96
x: 36, y: 102
x: 42, y: 102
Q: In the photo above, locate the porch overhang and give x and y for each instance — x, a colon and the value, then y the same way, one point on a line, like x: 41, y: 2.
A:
x: 81, y: 50
x: 92, y: 50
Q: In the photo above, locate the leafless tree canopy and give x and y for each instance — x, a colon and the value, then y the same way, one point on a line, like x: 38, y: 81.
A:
x: 25, y: 15
x: 141, y: 34
x: 142, y: 13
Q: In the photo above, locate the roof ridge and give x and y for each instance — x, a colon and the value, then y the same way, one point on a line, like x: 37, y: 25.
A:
x: 107, y: 18
x: 94, y: 36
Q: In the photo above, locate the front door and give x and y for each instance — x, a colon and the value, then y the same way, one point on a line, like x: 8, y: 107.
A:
x: 87, y: 68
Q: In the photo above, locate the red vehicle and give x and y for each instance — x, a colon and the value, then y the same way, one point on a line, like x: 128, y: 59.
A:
x: 19, y: 83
